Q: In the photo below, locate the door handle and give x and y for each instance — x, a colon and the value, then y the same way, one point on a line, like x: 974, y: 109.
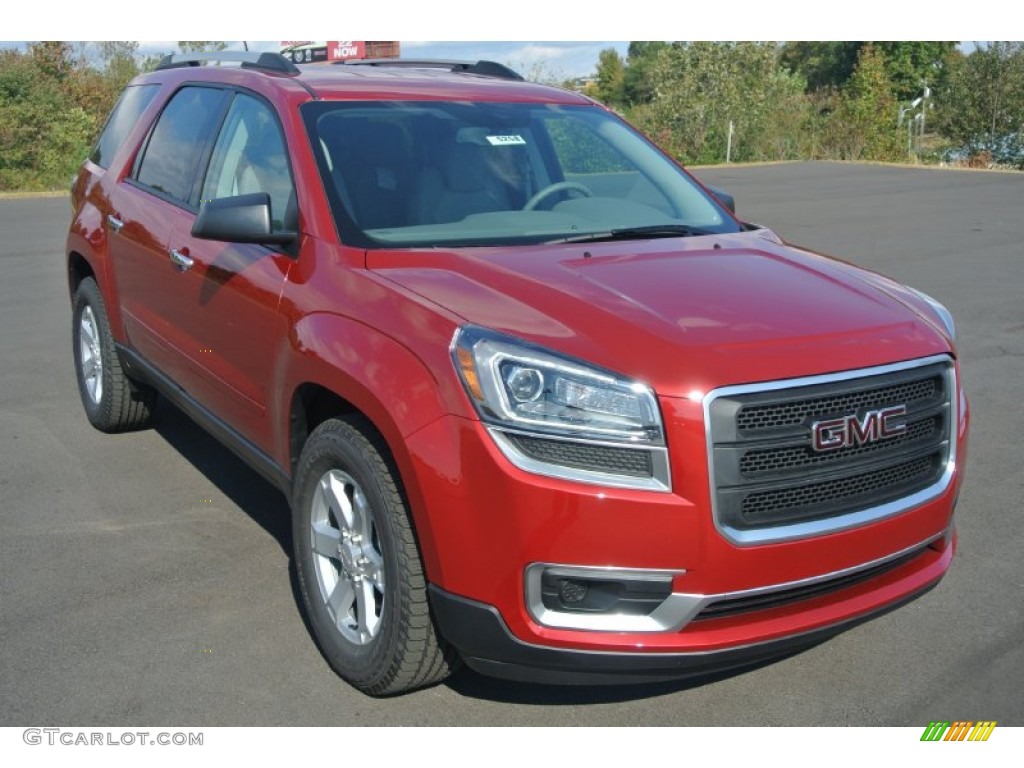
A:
x: 180, y: 260
x: 114, y: 223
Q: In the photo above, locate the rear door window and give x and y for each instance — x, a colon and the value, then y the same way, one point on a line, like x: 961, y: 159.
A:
x: 179, y: 141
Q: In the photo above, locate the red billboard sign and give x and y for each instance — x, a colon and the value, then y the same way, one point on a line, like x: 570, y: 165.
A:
x: 340, y: 50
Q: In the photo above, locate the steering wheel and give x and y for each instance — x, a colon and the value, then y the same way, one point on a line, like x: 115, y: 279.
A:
x: 551, y: 189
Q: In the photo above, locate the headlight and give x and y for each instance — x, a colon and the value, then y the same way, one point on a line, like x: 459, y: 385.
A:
x: 556, y: 416
x: 943, y: 313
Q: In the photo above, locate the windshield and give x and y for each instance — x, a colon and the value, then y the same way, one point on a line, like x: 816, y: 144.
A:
x: 422, y: 174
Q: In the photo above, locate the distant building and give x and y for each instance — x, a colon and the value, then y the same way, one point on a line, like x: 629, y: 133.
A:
x: 583, y: 84
x: 312, y: 52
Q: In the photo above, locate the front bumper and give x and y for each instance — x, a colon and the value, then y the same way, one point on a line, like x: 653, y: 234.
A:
x: 488, y: 647
x: 487, y: 526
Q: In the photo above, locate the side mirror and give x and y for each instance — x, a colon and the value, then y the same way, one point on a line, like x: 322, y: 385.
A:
x: 724, y: 198
x: 241, y: 219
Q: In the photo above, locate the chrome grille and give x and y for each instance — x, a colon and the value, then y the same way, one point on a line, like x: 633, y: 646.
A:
x: 768, y: 479
x: 773, y: 416
x: 785, y: 503
x: 782, y: 459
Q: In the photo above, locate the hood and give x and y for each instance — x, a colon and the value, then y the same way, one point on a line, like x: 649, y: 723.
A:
x: 684, y: 315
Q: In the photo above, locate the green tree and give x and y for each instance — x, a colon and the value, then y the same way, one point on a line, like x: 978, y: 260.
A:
x: 911, y: 65
x: 611, y: 73
x: 201, y: 46
x: 120, y: 59
x: 638, y: 83
x: 864, y: 127
x: 821, y: 64
x: 703, y: 86
x: 908, y: 64
x: 150, y: 63
x: 44, y: 131
x: 54, y: 59
x: 981, y: 105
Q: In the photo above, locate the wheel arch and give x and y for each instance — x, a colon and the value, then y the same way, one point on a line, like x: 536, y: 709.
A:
x: 84, y: 260
x: 311, y: 405
x: 79, y: 268
x: 337, y: 371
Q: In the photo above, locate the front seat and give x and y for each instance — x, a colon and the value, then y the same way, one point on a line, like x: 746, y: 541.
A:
x: 374, y: 166
x: 463, y: 181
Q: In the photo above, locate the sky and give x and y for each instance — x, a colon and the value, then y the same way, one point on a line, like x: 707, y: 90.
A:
x: 563, y: 59
x: 481, y: 30
x: 550, y: 60
x: 560, y: 60
x: 547, y: 60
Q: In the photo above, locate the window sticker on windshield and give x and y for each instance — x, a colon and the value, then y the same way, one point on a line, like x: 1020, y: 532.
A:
x: 497, y: 141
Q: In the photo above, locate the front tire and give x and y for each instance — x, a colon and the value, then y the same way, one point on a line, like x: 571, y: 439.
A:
x: 113, y: 401
x: 359, y: 568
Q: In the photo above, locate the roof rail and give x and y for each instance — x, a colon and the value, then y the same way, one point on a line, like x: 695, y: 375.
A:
x: 272, y: 62
x: 482, y: 67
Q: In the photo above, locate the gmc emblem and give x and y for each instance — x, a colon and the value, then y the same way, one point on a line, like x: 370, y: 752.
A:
x: 850, y: 431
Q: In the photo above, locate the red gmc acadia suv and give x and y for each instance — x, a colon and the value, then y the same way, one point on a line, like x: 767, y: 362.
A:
x: 539, y: 400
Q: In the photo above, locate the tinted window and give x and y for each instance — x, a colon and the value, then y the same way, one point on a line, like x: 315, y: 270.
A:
x: 250, y: 157
x: 126, y: 113
x: 580, y: 150
x: 178, y: 140
x: 436, y: 173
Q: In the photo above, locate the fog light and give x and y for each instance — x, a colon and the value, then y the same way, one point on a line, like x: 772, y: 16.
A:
x: 606, y: 598
x: 572, y: 591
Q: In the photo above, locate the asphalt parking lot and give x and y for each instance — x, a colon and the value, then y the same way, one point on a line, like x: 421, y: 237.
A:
x: 146, y: 578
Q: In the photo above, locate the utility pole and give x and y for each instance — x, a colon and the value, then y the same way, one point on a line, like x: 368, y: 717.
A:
x: 915, y: 139
x: 926, y: 95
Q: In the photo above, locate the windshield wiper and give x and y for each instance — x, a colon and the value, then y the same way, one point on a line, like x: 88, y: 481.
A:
x: 635, y: 233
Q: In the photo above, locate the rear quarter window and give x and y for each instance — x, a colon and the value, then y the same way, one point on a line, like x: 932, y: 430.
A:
x: 123, y: 117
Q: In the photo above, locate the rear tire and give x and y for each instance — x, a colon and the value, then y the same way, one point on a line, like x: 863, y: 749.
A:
x: 113, y: 401
x: 358, y: 564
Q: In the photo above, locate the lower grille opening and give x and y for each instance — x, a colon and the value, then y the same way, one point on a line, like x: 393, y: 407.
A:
x: 748, y: 603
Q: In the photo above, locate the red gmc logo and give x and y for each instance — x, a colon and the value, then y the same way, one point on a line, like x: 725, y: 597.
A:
x: 850, y: 431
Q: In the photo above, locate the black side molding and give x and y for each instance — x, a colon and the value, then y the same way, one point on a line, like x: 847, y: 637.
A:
x: 242, y: 447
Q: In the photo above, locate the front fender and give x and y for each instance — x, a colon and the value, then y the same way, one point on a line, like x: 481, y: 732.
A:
x: 378, y: 376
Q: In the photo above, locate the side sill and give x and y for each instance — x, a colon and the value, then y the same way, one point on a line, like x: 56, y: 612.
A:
x: 230, y: 438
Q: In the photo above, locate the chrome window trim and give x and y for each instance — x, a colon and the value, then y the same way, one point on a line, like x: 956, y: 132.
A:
x: 679, y: 608
x: 850, y: 520
x: 661, y: 481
